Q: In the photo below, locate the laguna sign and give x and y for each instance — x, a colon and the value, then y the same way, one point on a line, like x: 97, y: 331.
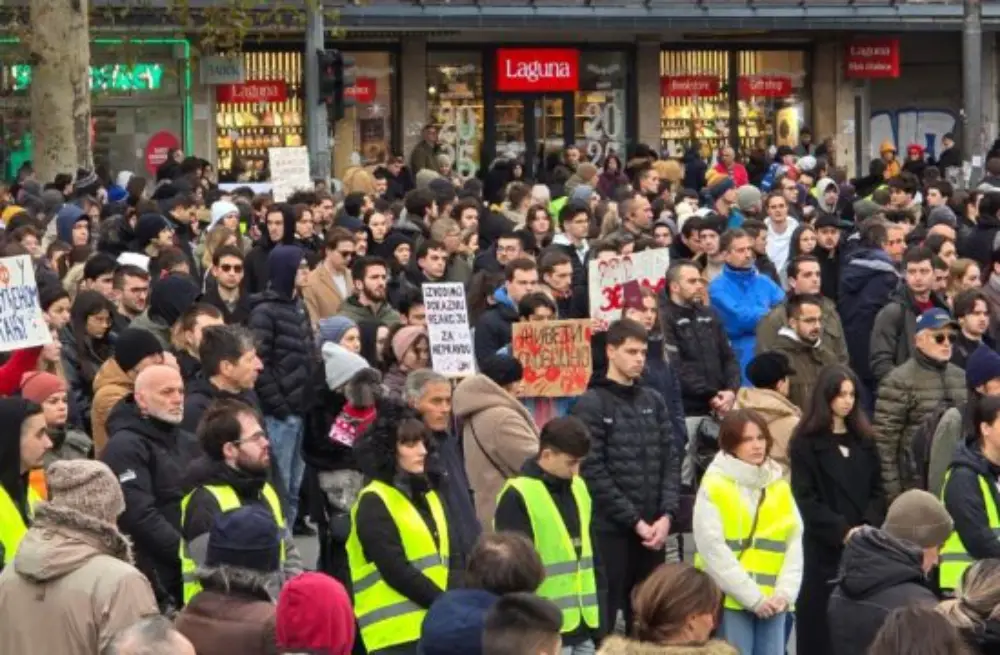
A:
x: 534, y: 70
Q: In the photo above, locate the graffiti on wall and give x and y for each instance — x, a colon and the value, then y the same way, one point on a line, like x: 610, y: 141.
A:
x: 904, y: 127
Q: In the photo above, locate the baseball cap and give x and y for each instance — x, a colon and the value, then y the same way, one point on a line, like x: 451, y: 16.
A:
x: 935, y: 319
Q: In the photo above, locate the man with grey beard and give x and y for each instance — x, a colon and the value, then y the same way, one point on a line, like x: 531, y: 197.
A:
x: 149, y: 453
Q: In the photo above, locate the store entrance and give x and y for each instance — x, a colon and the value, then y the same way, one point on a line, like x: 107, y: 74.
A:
x: 532, y: 127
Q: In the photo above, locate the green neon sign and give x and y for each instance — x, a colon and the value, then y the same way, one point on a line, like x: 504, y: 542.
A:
x: 120, y: 78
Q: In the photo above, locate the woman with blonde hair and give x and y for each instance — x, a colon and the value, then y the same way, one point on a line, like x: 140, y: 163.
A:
x: 675, y: 612
x: 215, y: 239
x: 963, y: 274
x: 975, y: 609
x: 358, y: 179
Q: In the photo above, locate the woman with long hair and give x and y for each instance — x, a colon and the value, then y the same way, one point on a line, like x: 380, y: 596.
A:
x: 539, y: 223
x: 748, y: 535
x: 837, y: 484
x: 86, y: 344
x: 675, y: 612
x: 975, y: 609
x: 217, y: 237
x: 963, y: 275
x: 803, y: 241
x: 917, y: 630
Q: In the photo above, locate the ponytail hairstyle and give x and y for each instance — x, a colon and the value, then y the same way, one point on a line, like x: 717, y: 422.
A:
x: 977, y: 599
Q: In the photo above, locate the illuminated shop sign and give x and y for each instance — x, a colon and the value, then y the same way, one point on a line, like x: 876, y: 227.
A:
x: 110, y: 77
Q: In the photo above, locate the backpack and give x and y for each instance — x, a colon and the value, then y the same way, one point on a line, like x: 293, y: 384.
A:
x: 919, y: 455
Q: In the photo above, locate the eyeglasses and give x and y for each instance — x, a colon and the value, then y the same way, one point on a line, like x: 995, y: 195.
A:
x: 231, y: 268
x: 253, y: 438
x: 941, y: 338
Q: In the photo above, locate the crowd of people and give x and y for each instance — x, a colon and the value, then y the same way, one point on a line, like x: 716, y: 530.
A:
x: 800, y: 433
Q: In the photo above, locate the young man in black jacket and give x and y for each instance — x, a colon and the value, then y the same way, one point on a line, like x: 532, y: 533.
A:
x: 633, y: 470
x: 229, y: 370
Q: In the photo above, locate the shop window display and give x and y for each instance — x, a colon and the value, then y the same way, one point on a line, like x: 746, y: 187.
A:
x: 365, y: 136
x: 601, y: 105
x: 455, y: 102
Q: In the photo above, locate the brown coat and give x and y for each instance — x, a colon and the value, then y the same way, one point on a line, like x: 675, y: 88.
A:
x: 111, y: 384
x: 71, y: 587
x: 616, y: 645
x: 806, y: 360
x: 499, y: 436
x: 781, y: 415
x: 321, y: 295
x: 238, y: 621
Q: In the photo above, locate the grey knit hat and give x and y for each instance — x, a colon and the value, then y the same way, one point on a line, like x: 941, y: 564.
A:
x: 86, y: 486
x: 918, y: 517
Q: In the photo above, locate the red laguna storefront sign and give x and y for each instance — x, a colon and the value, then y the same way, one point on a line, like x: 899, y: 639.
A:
x: 254, y: 91
x: 363, y: 90
x: 536, y: 70
x: 872, y: 59
x: 689, y: 86
x: 765, y: 86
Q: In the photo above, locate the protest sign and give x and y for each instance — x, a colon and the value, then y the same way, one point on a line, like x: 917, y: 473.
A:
x: 289, y: 171
x: 607, y: 281
x: 22, y: 324
x: 448, y: 329
x: 555, y: 356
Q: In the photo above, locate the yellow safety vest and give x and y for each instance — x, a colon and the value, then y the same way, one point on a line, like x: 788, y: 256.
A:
x: 12, y: 525
x: 228, y: 500
x: 570, y: 582
x: 765, y: 556
x: 954, y: 557
x: 386, y: 617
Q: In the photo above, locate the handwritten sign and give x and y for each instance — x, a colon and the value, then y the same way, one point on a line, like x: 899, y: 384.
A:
x: 22, y: 324
x: 555, y: 356
x: 607, y: 281
x: 448, y: 329
x: 289, y: 171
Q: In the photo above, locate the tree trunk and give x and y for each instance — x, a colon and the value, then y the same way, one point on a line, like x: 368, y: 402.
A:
x: 59, y: 44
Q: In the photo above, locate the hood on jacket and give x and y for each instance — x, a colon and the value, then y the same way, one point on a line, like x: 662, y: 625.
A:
x: 68, y: 216
x: 503, y: 298
x: 861, y: 265
x: 792, y: 335
x: 477, y: 393
x: 454, y: 621
x: 283, y: 266
x: 887, y: 146
x: 819, y: 191
x: 768, y: 403
x: 969, y: 455
x: 288, y: 216
x: 111, y: 375
x: 13, y: 412
x: 170, y: 297
x: 616, y: 645
x: 62, y: 540
x: 236, y: 580
x: 873, y: 561
x: 744, y: 474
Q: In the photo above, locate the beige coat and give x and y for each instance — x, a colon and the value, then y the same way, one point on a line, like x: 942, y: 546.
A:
x: 321, y: 295
x: 499, y: 436
x: 781, y: 415
x: 71, y: 587
x: 111, y: 384
x: 616, y: 645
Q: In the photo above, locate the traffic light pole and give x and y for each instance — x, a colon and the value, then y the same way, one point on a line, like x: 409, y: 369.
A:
x: 317, y: 126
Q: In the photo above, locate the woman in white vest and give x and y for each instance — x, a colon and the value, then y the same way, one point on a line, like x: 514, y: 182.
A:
x: 748, y: 535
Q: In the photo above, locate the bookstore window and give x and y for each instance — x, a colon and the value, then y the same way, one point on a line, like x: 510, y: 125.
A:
x: 455, y: 104
x: 601, y: 105
x: 364, y: 137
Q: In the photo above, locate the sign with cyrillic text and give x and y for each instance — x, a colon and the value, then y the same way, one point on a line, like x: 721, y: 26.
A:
x: 607, y: 281
x: 555, y: 356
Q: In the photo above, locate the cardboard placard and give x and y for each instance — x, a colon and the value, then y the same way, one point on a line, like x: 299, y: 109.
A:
x: 608, y: 280
x: 555, y: 356
x: 448, y: 329
x: 22, y: 324
x: 289, y: 171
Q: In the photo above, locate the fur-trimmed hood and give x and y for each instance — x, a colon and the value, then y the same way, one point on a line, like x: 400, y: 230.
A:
x: 62, y: 540
x: 237, y: 580
x: 622, y: 646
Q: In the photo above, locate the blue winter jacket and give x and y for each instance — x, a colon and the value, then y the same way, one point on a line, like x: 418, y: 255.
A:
x: 867, y: 279
x: 742, y: 298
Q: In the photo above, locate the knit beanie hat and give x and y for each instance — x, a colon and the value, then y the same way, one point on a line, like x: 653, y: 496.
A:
x: 246, y: 538
x: 86, y: 182
x: 340, y: 365
x: 86, y: 486
x: 982, y: 366
x: 52, y: 201
x: 502, y: 369
x: 37, y: 386
x: 719, y: 189
x: 314, y: 614
x: 454, y: 623
x: 748, y: 198
x: 221, y: 209
x: 148, y: 227
x: 920, y: 518
x: 587, y: 172
x: 171, y: 297
x: 134, y: 345
x: 942, y: 214
x: 333, y: 328
x: 404, y: 339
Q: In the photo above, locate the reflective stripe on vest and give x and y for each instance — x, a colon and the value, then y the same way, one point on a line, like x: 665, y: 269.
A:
x: 569, y: 582
x: 386, y: 617
x: 765, y: 556
x: 228, y: 500
x: 955, y: 559
x: 12, y: 525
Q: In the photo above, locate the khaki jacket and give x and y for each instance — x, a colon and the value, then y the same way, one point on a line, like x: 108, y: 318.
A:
x: 806, y: 360
x: 111, y: 384
x: 321, y: 296
x: 781, y: 414
x: 616, y: 645
x: 777, y: 318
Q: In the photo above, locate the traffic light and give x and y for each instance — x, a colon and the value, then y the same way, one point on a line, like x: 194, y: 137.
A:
x: 336, y: 79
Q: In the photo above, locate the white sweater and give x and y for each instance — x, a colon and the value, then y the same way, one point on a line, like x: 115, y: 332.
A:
x: 710, y: 540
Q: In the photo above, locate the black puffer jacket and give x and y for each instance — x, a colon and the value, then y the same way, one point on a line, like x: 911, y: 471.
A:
x: 633, y: 471
x: 877, y: 574
x: 201, y: 393
x: 149, y: 458
x: 285, y: 346
x: 696, y: 344
x: 963, y: 498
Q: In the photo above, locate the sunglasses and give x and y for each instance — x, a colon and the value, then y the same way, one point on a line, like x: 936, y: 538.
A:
x: 941, y: 338
x: 231, y: 268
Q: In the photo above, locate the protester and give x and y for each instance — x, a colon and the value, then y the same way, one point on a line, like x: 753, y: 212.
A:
x: 230, y: 368
x: 801, y: 342
x: 974, y: 609
x: 85, y: 347
x: 769, y: 374
x: 917, y: 630
x: 17, y: 458
x: 314, y: 615
x: 522, y: 623
x: 187, y: 333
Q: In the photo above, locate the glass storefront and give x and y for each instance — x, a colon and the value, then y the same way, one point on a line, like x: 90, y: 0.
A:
x: 601, y: 105
x: 365, y: 136
x: 455, y: 102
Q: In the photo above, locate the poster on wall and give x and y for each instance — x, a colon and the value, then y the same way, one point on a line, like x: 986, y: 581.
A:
x: 448, y: 329
x: 555, y: 356
x: 289, y: 171
x: 158, y: 149
x: 608, y: 281
x: 22, y: 324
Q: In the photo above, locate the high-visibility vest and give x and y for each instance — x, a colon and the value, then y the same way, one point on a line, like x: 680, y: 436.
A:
x: 954, y: 557
x: 386, y: 617
x: 228, y: 500
x: 570, y: 582
x: 12, y: 525
x: 765, y: 555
